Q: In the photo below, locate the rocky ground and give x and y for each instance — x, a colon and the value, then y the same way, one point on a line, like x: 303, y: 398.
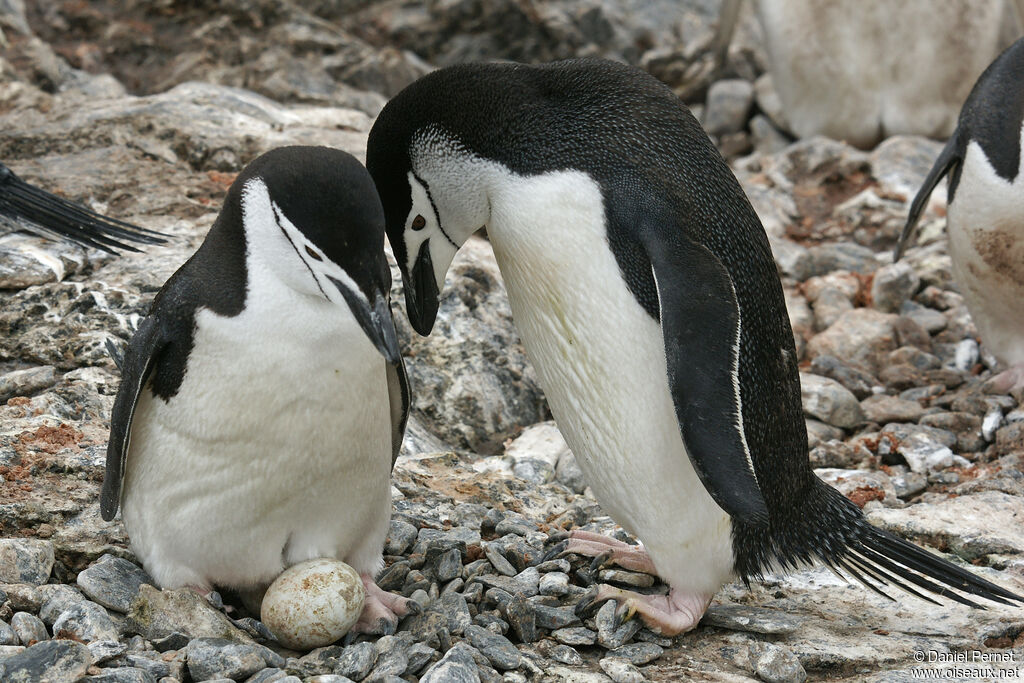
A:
x: 147, y: 110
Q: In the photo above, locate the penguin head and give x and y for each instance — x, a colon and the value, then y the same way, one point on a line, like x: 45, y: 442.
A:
x: 313, y: 222
x: 434, y: 192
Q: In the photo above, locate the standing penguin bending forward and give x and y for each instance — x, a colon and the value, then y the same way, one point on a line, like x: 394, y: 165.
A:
x: 646, y: 296
x: 985, y: 217
x: 263, y: 400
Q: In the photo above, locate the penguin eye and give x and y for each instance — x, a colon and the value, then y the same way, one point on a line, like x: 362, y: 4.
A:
x: 419, y: 223
x: 315, y: 255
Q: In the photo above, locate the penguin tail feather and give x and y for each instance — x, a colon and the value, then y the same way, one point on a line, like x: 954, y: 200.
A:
x: 57, y: 216
x: 828, y: 528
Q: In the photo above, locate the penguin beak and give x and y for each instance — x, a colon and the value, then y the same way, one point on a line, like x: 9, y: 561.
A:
x: 421, y: 295
x: 376, y: 321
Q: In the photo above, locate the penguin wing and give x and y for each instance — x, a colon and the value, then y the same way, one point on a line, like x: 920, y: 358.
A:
x: 700, y: 322
x: 950, y: 156
x: 401, y: 397
x: 136, y: 366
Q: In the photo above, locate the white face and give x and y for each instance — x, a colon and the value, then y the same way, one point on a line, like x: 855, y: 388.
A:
x: 448, y: 187
x: 280, y: 249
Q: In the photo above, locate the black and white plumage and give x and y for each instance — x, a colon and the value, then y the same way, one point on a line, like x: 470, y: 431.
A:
x: 263, y: 399
x: 25, y: 205
x: 647, y: 299
x: 985, y: 216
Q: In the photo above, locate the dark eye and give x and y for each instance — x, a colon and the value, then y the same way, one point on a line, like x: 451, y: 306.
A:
x: 419, y: 223
x: 315, y: 255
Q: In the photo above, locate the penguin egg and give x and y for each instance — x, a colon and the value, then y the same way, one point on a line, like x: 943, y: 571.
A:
x: 313, y: 603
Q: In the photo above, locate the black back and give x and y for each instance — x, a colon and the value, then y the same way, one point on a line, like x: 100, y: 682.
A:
x: 632, y: 135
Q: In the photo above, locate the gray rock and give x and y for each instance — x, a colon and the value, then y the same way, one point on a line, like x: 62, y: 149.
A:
x: 325, y: 678
x: 8, y: 651
x: 751, y: 619
x: 638, y: 653
x: 554, y: 583
x: 457, y: 666
x: 113, y: 582
x: 498, y: 561
x: 400, y: 536
x: 884, y: 409
x: 156, y: 614
x: 627, y: 578
x: 498, y: 649
x: 51, y: 661
x: 858, y: 337
x: 356, y: 661
x: 57, y: 598
x: 85, y: 622
x: 829, y: 401
x: 855, y: 379
x: 554, y: 618
x: 908, y: 483
x: 222, y: 658
x: 566, y: 655
x: 7, y: 634
x: 728, y: 105
x: 419, y: 656
x: 568, y: 472
x: 26, y: 382
x: 766, y: 137
x: 104, y: 650
x: 24, y: 560
x: 610, y: 636
x: 576, y: 635
x: 29, y: 627
x: 392, y: 657
x: 126, y: 674
x: 834, y: 453
x: 522, y: 617
x: 776, y: 664
x: 892, y: 285
x: 621, y: 670
x: 825, y: 258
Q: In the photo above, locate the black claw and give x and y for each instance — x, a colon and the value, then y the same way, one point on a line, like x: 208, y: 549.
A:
x: 585, y: 607
x: 557, y: 537
x: 349, y: 638
x: 555, y: 550
x: 386, y: 627
x: 413, y: 608
x: 600, y: 561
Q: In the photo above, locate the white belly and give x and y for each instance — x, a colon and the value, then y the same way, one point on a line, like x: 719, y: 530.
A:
x: 276, y: 449
x: 601, y: 362
x: 986, y: 242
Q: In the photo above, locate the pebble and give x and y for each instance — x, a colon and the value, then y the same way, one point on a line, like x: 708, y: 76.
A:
x: 638, y: 653
x: 57, y: 599
x: 728, y: 103
x: 51, y: 661
x: 751, y: 619
x: 608, y: 636
x: 498, y: 561
x: 627, y: 578
x: 777, y: 664
x: 457, y: 666
x: 24, y: 560
x: 85, y: 622
x: 126, y: 674
x: 156, y: 614
x: 554, y: 583
x: 991, y: 423
x: 392, y: 656
x: 400, y: 536
x: 565, y: 655
x: 892, y: 285
x: 829, y: 401
x: 859, y: 382
x: 30, y: 629
x: 103, y: 650
x: 498, y: 649
x: 8, y: 636
x: 621, y: 670
x: 884, y: 409
x: 218, y: 657
x: 967, y: 355
x: 554, y: 618
x: 112, y: 582
x: 356, y: 661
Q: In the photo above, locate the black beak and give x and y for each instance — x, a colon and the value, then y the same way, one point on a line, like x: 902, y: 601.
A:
x: 421, y: 295
x: 376, y: 322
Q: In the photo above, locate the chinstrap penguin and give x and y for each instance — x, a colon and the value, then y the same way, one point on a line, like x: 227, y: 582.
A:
x: 263, y: 400
x: 647, y: 299
x: 985, y: 212
x: 24, y: 205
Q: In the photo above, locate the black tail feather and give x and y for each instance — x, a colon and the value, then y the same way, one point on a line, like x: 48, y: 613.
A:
x: 826, y: 528
x: 55, y: 215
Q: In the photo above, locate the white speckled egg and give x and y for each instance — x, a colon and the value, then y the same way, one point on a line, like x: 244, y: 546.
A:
x: 313, y: 603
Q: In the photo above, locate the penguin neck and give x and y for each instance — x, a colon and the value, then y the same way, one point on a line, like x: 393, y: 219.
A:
x: 537, y: 221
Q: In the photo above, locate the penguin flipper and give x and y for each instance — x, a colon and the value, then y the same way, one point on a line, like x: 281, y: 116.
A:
x: 947, y: 160
x: 136, y: 366
x: 401, y: 397
x: 700, y: 321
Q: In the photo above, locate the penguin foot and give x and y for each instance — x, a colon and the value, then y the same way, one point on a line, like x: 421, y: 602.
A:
x: 666, y: 615
x: 382, y: 610
x: 605, y: 550
x: 1010, y: 381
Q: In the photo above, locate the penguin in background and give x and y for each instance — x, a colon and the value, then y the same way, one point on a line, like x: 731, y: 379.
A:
x: 24, y: 205
x: 985, y: 211
x: 263, y: 400
x: 647, y: 299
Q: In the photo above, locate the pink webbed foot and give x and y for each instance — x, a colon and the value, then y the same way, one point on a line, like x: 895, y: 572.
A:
x: 1009, y: 381
x: 667, y: 615
x: 604, y: 550
x: 382, y: 610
